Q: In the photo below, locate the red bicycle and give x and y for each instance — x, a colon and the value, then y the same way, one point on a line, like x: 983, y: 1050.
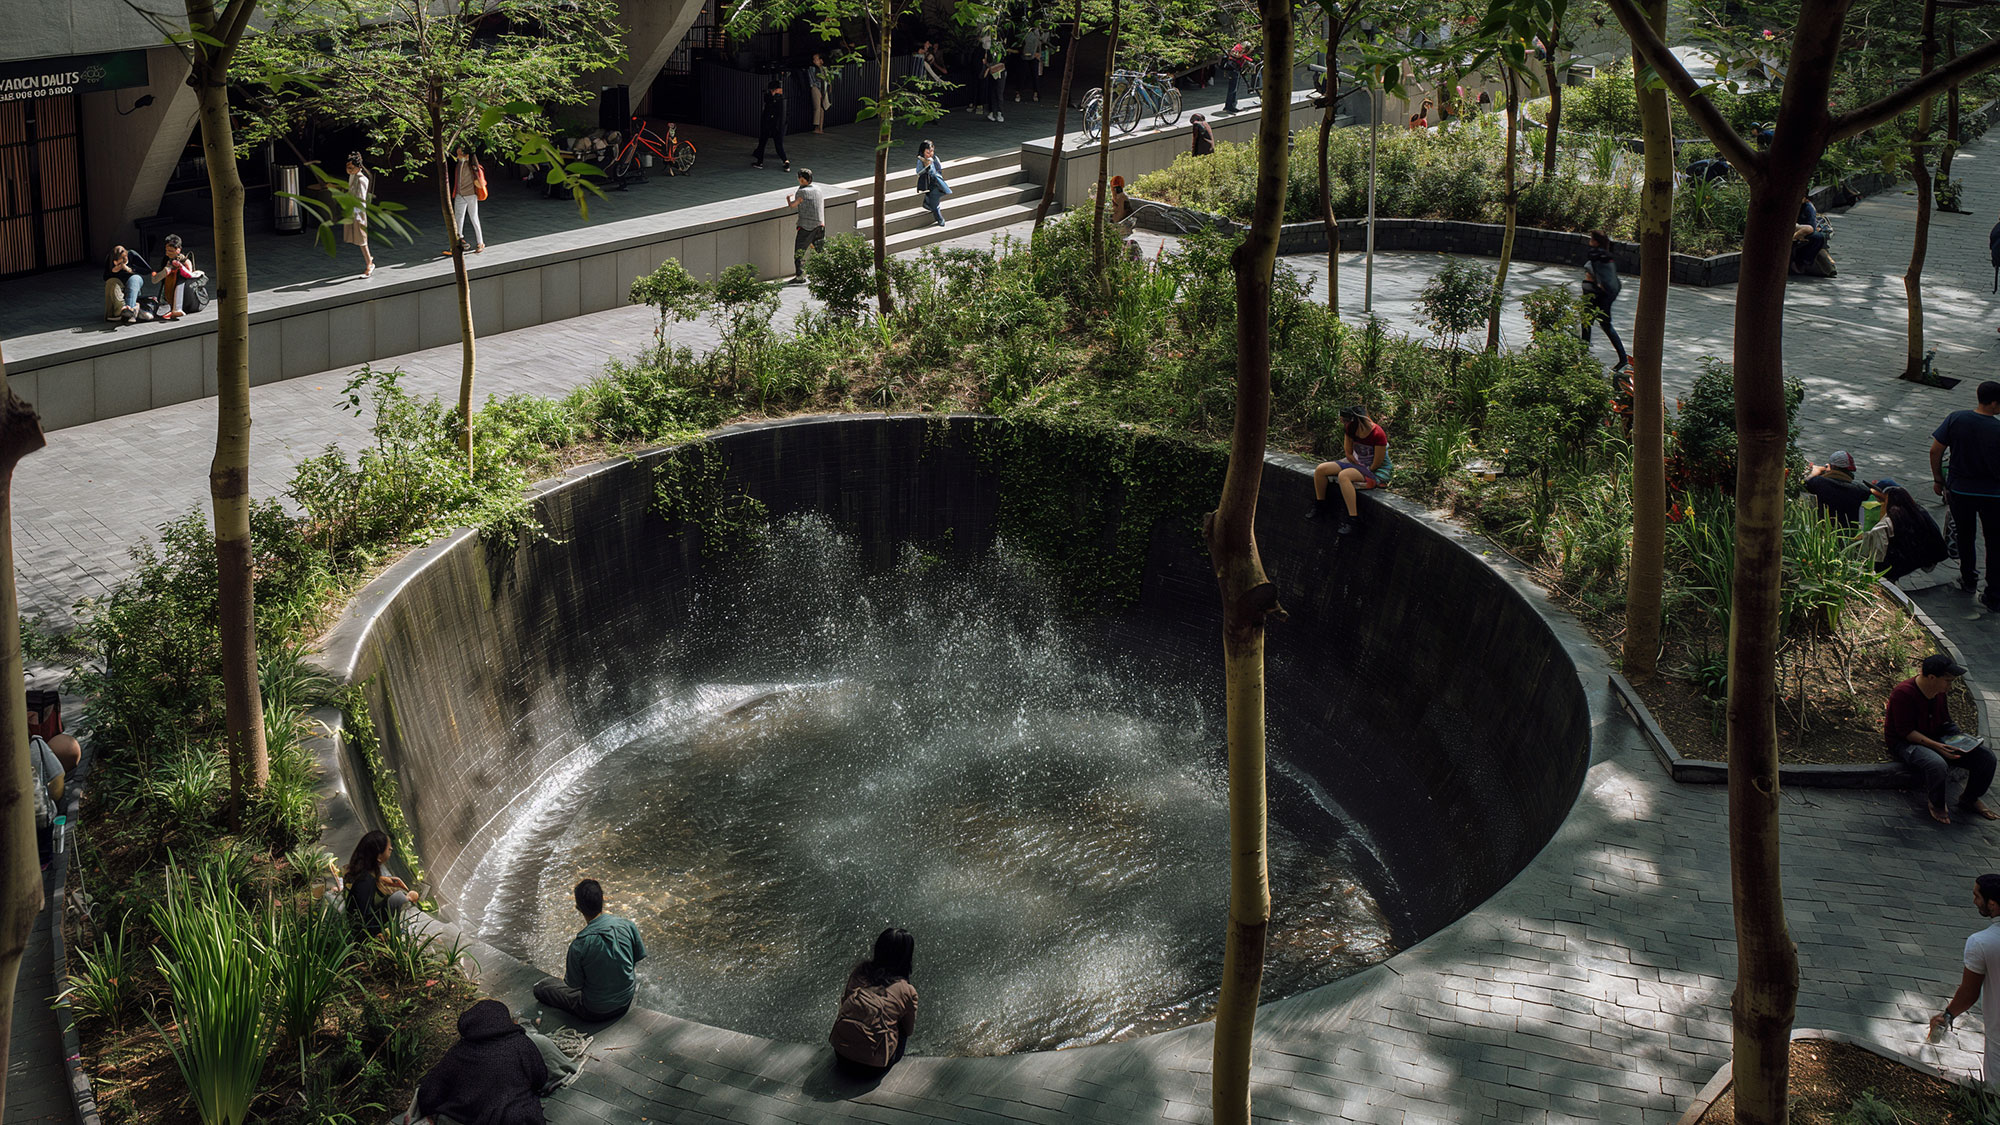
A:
x: 674, y: 151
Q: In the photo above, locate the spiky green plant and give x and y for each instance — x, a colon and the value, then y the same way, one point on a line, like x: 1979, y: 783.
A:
x: 218, y: 972
x: 311, y: 951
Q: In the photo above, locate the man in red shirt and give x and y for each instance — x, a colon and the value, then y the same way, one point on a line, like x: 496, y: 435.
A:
x: 1915, y: 725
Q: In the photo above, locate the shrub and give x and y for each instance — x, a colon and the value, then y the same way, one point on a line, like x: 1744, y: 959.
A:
x: 841, y: 275
x: 1547, y: 405
x: 1557, y: 308
x: 1456, y: 299
x: 674, y: 293
x: 1702, y: 452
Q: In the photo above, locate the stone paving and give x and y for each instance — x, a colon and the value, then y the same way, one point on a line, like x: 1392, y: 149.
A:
x: 1594, y: 987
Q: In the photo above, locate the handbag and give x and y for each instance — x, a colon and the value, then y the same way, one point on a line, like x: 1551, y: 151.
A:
x: 479, y: 181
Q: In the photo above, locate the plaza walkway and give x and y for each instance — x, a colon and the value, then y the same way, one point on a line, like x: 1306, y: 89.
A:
x: 1593, y: 988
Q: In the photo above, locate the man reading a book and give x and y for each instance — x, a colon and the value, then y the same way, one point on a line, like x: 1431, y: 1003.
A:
x: 1919, y: 732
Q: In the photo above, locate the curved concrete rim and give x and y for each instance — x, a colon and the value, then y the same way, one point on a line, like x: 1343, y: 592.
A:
x: 673, y: 1064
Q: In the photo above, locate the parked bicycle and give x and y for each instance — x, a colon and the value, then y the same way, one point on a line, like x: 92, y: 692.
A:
x: 674, y: 151
x: 1134, y: 94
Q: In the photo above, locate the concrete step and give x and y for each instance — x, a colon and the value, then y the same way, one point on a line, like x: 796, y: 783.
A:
x: 903, y: 185
x: 906, y: 211
x: 958, y: 226
x: 903, y: 165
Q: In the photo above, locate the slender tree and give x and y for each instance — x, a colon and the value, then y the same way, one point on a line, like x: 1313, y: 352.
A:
x: 427, y: 78
x: 1645, y: 573
x: 1766, y: 994
x: 1248, y: 597
x: 21, y: 898
x: 1920, y: 172
x: 211, y: 46
x: 1105, y: 111
x: 1062, y: 114
x: 1510, y: 203
x: 1552, y: 47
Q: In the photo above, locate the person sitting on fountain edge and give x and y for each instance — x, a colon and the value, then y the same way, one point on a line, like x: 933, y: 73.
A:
x: 1364, y: 463
x: 878, y: 1008
x: 1919, y: 731
x: 599, y: 974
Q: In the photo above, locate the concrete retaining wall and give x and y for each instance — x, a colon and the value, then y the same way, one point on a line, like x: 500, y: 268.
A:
x: 1134, y: 154
x: 1412, y: 682
x: 303, y: 331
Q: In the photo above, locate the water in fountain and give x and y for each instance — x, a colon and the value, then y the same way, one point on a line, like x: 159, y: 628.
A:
x: 931, y: 745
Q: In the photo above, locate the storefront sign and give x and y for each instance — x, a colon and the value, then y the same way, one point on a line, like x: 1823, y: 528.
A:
x: 77, y: 74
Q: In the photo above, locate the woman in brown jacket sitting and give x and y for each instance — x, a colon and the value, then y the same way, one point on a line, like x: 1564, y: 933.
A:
x: 878, y: 1008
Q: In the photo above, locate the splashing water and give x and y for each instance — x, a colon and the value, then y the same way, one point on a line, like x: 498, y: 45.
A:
x: 926, y: 745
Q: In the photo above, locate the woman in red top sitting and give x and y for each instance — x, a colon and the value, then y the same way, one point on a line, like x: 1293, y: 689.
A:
x: 1364, y: 463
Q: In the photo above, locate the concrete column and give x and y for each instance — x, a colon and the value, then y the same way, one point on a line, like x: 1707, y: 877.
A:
x: 652, y: 28
x: 128, y: 158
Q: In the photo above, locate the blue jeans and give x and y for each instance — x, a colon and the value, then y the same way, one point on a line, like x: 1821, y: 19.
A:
x: 933, y: 202
x: 1934, y: 773
x: 132, y: 283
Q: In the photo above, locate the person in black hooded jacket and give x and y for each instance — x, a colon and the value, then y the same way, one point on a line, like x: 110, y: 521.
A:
x: 493, y: 1075
x: 1601, y: 285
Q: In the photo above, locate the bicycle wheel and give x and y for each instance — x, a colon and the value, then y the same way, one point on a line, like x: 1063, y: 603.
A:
x: 621, y: 169
x: 1093, y: 114
x: 1125, y: 113
x: 1170, y: 106
x: 684, y: 159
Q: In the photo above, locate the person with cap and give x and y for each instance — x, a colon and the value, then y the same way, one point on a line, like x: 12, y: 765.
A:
x: 1834, y: 487
x: 1918, y: 729
x: 1982, y: 968
x: 1972, y: 437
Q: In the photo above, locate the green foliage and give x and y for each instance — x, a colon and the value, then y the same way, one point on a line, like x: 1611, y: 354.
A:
x: 1560, y: 309
x: 691, y: 487
x: 106, y: 984
x: 311, y: 949
x: 841, y: 275
x: 1547, y: 405
x: 218, y: 975
x: 674, y: 293
x: 1456, y: 299
x: 358, y: 733
x: 1871, y: 1110
x: 412, y: 955
x: 1703, y: 451
x: 1979, y: 1107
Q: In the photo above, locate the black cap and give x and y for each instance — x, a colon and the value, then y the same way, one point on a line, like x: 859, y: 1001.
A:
x: 1940, y: 664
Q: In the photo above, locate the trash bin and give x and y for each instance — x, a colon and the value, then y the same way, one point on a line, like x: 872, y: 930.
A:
x: 285, y: 215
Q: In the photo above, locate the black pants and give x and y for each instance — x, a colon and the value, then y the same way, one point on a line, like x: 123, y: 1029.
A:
x: 1604, y: 318
x: 808, y: 238
x: 1985, y: 511
x: 773, y: 136
x: 556, y: 994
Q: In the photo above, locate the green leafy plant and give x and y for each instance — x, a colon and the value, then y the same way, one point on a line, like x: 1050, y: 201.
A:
x: 674, y: 293
x: 1456, y: 299
x: 106, y: 985
x: 841, y: 275
x: 218, y: 976
x: 310, y: 949
x: 690, y: 486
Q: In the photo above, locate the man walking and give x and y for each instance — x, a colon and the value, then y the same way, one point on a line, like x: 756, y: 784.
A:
x: 600, y: 973
x: 812, y: 223
x: 1982, y: 965
x: 1918, y: 729
x: 1973, y: 488
x: 1601, y: 285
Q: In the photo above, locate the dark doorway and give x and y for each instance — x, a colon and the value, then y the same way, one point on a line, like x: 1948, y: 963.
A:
x: 41, y: 185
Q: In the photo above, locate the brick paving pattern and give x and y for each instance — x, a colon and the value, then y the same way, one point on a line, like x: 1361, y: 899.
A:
x: 1594, y: 987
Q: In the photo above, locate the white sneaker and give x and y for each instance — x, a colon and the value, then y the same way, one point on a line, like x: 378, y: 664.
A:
x: 1000, y: 117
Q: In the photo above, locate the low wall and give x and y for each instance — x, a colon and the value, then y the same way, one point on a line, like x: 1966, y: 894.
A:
x: 1412, y: 682
x: 301, y: 331
x: 1134, y: 154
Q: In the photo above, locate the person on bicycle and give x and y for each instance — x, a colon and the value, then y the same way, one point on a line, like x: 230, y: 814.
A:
x: 771, y: 127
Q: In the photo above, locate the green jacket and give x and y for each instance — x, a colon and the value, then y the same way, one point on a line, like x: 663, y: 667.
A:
x: 601, y: 960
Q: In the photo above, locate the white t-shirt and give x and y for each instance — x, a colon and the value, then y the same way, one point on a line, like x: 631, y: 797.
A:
x: 1982, y: 955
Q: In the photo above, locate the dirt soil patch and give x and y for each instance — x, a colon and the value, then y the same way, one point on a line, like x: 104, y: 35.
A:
x: 1829, y: 1078
x: 1831, y: 695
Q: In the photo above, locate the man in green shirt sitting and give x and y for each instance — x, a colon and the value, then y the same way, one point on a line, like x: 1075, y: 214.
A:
x: 598, y: 979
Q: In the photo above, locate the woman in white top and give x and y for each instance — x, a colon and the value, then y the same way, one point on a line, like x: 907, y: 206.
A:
x: 356, y: 227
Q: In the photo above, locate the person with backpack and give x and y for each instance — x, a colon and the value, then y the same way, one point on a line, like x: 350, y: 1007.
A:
x: 47, y: 771
x: 1601, y: 285
x: 878, y: 1008
x: 930, y: 180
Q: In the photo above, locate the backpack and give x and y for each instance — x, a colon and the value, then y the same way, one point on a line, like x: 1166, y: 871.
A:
x: 45, y: 809
x: 198, y: 293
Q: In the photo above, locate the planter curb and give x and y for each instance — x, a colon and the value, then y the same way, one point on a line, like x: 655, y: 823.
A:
x: 1706, y: 1097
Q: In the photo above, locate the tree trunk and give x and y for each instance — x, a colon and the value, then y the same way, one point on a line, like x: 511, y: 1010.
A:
x: 1062, y: 116
x: 447, y: 187
x: 1913, y: 277
x: 1325, y: 184
x: 1952, y: 135
x: 885, y: 302
x: 1248, y: 598
x: 21, y: 898
x: 1104, y: 145
x: 229, y: 472
x: 1554, y: 122
x: 1644, y: 575
x: 1511, y: 198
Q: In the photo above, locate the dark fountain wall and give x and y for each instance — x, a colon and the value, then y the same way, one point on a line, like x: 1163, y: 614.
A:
x: 1412, y: 682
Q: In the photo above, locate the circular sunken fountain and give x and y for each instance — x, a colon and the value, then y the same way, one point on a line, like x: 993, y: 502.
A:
x: 879, y: 714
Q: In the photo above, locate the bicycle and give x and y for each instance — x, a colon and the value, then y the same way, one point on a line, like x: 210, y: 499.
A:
x: 1146, y: 95
x: 674, y: 151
